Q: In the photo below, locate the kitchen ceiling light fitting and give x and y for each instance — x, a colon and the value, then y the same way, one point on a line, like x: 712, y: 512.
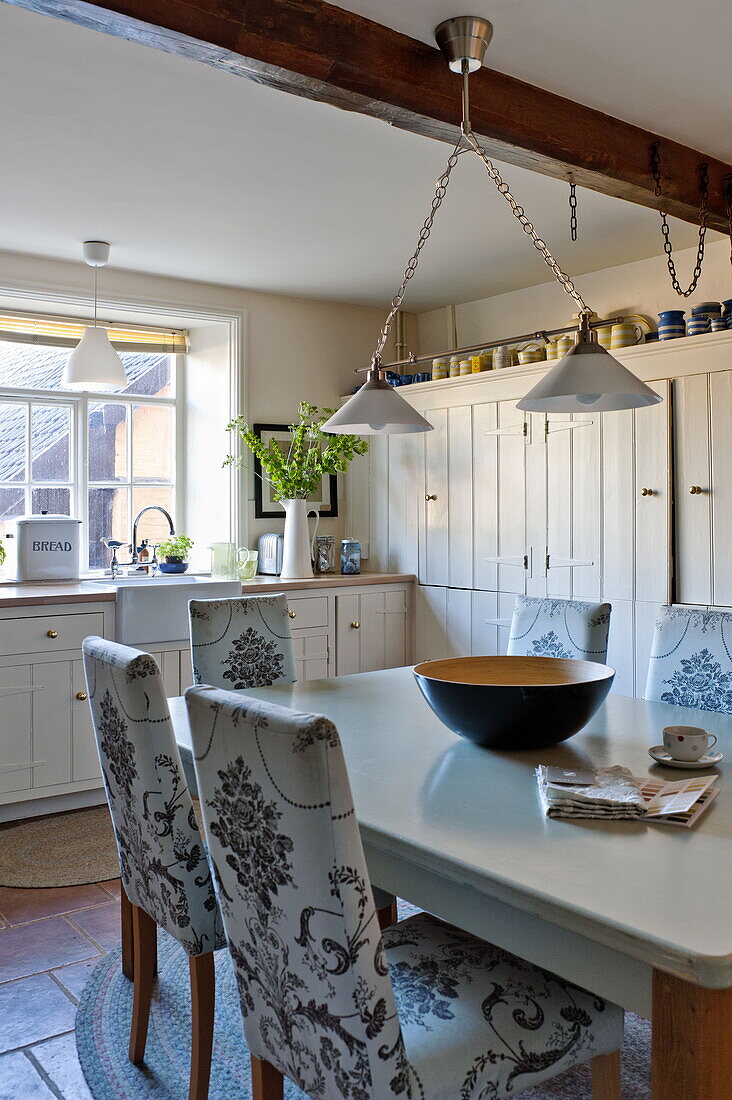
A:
x: 94, y: 364
x: 587, y: 378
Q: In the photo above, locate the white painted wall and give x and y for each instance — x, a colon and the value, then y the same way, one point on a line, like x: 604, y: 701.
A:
x: 294, y: 349
x: 640, y: 287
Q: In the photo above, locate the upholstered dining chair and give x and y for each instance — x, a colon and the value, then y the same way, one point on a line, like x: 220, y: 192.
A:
x: 425, y: 1011
x: 242, y: 642
x: 166, y: 880
x: 247, y: 643
x: 691, y: 659
x: 559, y: 628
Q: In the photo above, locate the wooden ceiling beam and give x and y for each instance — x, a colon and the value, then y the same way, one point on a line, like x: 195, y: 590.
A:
x: 316, y: 50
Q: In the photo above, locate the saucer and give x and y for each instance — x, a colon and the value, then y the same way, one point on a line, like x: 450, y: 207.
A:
x: 662, y: 756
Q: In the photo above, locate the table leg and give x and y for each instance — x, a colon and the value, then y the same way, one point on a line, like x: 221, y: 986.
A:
x: 692, y: 1040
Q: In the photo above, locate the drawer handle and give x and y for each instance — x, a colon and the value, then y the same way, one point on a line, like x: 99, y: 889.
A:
x: 356, y: 625
x: 646, y: 492
x: 292, y: 614
x: 52, y: 633
x: 81, y: 696
x: 430, y: 496
x: 695, y: 490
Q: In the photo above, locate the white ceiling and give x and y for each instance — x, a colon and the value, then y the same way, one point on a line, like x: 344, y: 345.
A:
x: 661, y: 64
x: 198, y: 174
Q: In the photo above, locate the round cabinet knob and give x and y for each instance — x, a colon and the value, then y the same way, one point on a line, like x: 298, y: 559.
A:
x: 430, y: 496
x: 292, y: 614
x: 52, y: 633
x: 695, y: 490
x: 355, y: 625
x: 81, y: 696
x: 646, y: 492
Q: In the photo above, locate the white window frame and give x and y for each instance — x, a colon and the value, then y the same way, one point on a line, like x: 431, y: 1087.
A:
x: 79, y: 482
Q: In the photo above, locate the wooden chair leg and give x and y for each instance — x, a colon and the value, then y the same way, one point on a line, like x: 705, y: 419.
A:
x: 145, y: 930
x: 203, y: 1000
x: 388, y: 915
x: 606, y: 1076
x: 128, y: 938
x: 267, y: 1082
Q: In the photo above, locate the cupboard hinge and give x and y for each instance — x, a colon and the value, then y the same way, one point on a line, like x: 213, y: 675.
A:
x: 526, y: 428
x: 526, y: 561
x: 546, y: 563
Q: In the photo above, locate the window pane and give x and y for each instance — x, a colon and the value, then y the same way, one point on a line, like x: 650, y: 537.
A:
x: 12, y: 503
x: 108, y: 519
x: 107, y: 441
x: 148, y: 373
x: 152, y: 431
x: 153, y: 525
x: 50, y: 442
x: 51, y: 499
x: 31, y: 366
x: 13, y: 420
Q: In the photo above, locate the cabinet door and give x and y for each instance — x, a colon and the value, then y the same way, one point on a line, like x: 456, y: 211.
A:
x: 721, y: 401
x: 572, y: 506
x: 510, y: 554
x: 348, y: 637
x: 459, y: 622
x: 378, y: 508
x: 406, y: 480
x: 693, y: 511
x: 653, y: 510
x: 460, y: 496
x: 16, y: 742
x: 434, y: 561
x: 52, y: 721
x: 84, y: 756
x: 485, y: 496
x: 618, y: 499
x: 430, y: 618
x: 371, y: 631
x: 311, y: 655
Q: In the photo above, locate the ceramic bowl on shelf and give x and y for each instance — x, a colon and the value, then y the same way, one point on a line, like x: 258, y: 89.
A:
x: 514, y: 702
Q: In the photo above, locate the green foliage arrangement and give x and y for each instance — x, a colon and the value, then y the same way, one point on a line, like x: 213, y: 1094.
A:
x: 177, y: 546
x: 312, y: 453
x: 3, y: 555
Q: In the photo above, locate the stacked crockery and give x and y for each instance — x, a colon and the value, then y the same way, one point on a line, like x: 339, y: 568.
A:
x: 727, y: 311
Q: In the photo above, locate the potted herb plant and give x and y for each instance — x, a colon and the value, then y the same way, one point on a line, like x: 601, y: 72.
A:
x: 296, y: 473
x: 174, y: 554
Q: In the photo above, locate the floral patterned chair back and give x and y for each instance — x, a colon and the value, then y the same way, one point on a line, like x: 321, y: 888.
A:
x: 242, y: 643
x: 291, y: 877
x: 691, y: 659
x: 162, y: 857
x: 559, y: 628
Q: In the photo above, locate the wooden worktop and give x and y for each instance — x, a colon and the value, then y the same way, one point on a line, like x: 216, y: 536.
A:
x: 39, y: 595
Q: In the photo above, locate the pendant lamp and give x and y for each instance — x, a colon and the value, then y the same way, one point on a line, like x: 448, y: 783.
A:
x: 587, y: 377
x: 94, y: 364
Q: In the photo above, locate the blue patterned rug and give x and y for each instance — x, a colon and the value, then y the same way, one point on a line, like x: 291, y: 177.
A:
x: 103, y: 1024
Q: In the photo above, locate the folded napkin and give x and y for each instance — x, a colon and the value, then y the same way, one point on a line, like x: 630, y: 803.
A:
x: 614, y: 794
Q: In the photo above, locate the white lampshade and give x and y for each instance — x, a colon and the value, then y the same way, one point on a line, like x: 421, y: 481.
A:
x: 588, y: 378
x: 94, y: 364
x: 377, y: 409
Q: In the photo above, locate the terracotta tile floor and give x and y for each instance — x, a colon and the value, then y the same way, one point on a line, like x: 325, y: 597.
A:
x: 50, y: 941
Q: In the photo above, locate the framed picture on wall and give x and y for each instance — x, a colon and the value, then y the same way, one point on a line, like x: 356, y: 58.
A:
x: 325, y: 498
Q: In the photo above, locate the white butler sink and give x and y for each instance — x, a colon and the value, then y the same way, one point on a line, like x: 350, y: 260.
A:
x: 155, y: 609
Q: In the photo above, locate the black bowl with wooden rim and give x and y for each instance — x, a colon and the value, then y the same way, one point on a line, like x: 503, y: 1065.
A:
x: 514, y: 702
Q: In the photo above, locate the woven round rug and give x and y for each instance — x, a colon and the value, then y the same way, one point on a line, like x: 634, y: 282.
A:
x: 67, y: 849
x: 102, y: 1036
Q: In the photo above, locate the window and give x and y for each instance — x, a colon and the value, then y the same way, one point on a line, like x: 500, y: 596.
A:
x: 102, y: 457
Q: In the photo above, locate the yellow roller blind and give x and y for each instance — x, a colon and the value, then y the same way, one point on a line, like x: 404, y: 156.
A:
x: 63, y: 332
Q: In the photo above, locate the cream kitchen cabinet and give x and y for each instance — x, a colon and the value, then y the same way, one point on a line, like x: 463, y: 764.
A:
x: 372, y: 630
x: 703, y: 461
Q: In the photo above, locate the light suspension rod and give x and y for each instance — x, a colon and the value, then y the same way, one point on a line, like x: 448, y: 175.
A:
x: 541, y: 334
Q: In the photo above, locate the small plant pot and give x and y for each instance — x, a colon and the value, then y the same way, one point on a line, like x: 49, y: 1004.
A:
x: 173, y: 565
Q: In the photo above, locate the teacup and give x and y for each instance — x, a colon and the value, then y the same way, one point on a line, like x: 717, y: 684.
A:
x: 719, y: 324
x: 248, y: 567
x: 531, y: 353
x: 625, y: 334
x: 687, y: 742
x: 696, y: 326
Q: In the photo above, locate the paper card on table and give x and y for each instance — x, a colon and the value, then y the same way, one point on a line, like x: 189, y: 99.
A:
x: 665, y: 799
x: 572, y: 777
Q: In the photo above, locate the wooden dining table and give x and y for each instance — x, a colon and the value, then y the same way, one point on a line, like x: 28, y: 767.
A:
x: 639, y: 913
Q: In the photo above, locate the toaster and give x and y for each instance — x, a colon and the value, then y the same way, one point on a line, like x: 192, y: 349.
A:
x: 269, y: 557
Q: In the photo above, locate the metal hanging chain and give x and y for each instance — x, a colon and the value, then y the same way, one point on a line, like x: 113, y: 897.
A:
x: 572, y: 209
x: 440, y: 190
x: 666, y: 232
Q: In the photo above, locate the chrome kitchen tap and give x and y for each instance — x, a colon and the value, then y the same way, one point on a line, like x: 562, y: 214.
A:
x: 113, y: 545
